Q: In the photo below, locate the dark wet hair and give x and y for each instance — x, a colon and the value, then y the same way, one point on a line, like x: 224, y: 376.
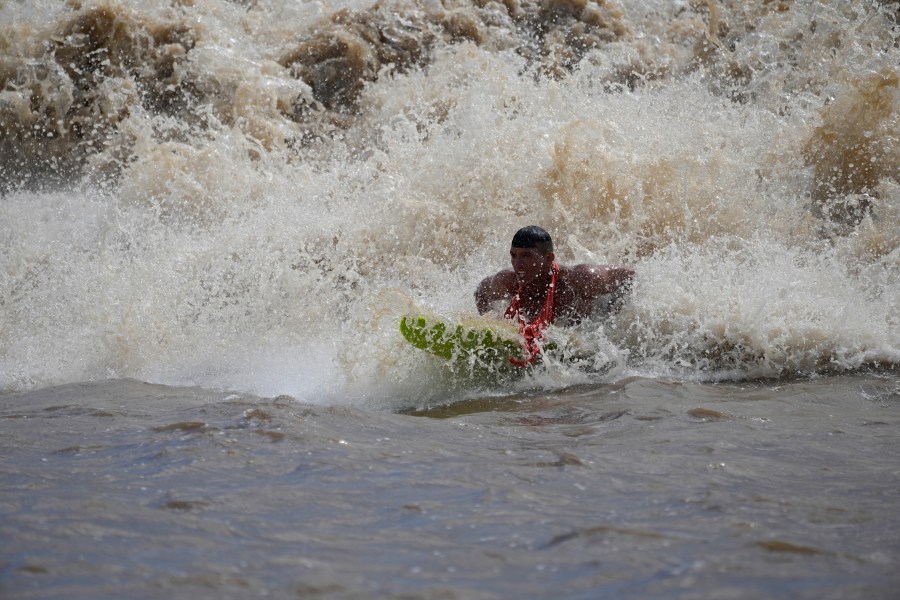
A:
x: 533, y: 237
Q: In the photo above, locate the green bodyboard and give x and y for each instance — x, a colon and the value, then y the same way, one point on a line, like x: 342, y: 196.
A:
x: 480, y: 348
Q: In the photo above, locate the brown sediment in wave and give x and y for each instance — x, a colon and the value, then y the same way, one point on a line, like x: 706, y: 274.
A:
x: 339, y: 60
x: 355, y: 47
x: 66, y: 100
x: 854, y: 149
x: 73, y: 97
x: 67, y: 96
x: 659, y: 200
x: 104, y: 42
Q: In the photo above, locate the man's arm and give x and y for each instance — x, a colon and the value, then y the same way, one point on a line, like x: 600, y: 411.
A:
x: 596, y: 280
x: 494, y: 288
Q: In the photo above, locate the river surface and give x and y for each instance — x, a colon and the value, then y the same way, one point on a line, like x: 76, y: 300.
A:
x: 214, y: 213
x: 643, y: 488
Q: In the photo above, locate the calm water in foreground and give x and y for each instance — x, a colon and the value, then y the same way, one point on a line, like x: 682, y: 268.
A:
x: 643, y: 488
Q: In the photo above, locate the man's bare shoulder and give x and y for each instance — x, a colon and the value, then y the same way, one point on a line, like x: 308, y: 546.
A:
x: 582, y: 273
x: 503, y: 279
x: 598, y: 279
x: 590, y: 269
x: 492, y: 288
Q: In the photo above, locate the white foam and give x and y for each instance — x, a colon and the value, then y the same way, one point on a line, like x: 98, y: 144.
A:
x: 221, y: 259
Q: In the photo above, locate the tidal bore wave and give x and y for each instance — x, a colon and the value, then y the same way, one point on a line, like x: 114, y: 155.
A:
x: 249, y: 194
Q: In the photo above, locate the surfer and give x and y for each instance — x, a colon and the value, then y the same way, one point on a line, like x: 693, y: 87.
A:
x: 529, y: 283
x: 541, y: 292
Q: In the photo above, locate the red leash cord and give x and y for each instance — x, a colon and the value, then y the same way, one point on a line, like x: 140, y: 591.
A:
x: 532, y: 332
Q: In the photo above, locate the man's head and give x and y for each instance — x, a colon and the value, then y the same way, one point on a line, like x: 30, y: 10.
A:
x: 533, y: 236
x: 531, y: 254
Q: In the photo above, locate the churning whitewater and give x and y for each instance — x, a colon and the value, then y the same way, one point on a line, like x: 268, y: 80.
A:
x: 249, y: 194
